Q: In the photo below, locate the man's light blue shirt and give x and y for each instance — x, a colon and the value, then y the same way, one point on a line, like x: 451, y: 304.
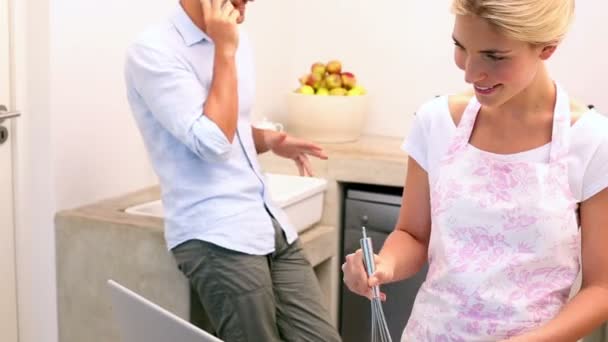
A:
x: 212, y: 190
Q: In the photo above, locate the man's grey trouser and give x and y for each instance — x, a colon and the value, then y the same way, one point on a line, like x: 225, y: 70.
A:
x: 251, y: 298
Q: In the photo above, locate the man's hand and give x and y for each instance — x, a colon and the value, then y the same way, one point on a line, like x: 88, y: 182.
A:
x: 296, y: 149
x: 221, y: 25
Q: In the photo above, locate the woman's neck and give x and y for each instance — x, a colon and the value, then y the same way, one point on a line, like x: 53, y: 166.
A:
x: 538, y: 97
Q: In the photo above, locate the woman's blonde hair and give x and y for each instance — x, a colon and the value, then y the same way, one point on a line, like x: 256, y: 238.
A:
x: 538, y: 22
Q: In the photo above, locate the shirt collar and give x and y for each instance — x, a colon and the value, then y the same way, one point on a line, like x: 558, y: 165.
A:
x: 187, y: 29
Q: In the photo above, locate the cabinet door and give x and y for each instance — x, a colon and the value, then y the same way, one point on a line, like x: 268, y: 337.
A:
x: 355, y: 321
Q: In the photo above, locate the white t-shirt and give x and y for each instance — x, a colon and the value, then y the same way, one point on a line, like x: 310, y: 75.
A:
x: 433, y: 129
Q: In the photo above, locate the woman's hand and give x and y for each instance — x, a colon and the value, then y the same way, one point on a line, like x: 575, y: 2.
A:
x: 355, y: 275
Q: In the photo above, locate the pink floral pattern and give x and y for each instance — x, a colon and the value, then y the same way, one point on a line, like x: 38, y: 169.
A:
x: 504, y: 248
x: 500, y: 181
x: 518, y: 219
x: 441, y: 197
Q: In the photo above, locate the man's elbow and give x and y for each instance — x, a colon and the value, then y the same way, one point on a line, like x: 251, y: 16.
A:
x: 210, y: 142
x: 217, y: 152
x: 230, y: 135
x: 223, y: 154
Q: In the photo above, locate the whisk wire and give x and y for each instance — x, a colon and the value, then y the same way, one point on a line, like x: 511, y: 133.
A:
x: 380, y: 331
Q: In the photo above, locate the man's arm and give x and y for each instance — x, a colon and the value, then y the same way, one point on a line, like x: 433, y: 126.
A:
x: 177, y: 100
x: 222, y: 101
x: 288, y: 147
x: 264, y: 139
x: 258, y: 140
x: 221, y: 106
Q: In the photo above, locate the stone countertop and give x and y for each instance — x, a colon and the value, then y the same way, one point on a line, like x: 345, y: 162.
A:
x: 379, y: 148
x: 315, y: 240
x: 112, y: 210
x: 100, y: 241
x: 371, y: 160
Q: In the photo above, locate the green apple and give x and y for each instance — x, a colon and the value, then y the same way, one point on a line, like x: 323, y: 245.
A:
x: 314, y: 80
x: 306, y: 90
x: 323, y: 91
x: 359, y: 90
x: 338, y: 92
x: 323, y: 84
x: 354, y: 92
x: 318, y: 68
x: 334, y: 67
x: 333, y: 81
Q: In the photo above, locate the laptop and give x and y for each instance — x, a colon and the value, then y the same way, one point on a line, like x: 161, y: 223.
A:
x: 140, y: 320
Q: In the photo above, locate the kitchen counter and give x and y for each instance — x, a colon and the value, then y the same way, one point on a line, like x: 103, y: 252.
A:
x: 100, y: 241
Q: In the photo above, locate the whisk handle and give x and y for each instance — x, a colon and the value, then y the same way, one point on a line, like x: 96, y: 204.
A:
x: 368, y: 259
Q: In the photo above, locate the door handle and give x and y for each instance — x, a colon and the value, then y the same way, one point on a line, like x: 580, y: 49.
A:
x: 5, y: 114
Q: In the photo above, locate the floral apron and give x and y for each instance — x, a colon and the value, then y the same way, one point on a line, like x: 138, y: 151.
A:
x: 504, y: 246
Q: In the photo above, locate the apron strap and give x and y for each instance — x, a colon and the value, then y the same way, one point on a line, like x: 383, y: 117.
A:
x: 465, y: 127
x: 560, y: 137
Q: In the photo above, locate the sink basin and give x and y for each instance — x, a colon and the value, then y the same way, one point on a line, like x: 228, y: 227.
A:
x: 300, y: 197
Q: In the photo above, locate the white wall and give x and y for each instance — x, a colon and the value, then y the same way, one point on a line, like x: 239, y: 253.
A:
x: 98, y: 151
x: 580, y: 64
x: 401, y: 51
x: 379, y: 41
x: 79, y: 143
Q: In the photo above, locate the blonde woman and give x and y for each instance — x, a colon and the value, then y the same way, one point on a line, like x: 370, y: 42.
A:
x: 506, y: 188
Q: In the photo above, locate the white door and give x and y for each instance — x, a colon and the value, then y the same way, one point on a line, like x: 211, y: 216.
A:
x: 8, y: 293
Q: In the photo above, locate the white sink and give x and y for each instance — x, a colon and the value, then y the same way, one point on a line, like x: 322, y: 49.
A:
x: 300, y: 197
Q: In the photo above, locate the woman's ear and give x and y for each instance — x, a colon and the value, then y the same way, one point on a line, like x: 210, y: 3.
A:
x: 547, y: 51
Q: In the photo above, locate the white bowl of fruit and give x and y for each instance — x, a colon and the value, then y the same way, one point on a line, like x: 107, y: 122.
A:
x: 328, y: 106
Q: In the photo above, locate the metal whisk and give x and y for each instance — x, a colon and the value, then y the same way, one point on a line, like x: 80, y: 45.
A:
x: 380, y: 332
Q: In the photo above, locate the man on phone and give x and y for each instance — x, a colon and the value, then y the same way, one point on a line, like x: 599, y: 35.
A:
x: 190, y: 86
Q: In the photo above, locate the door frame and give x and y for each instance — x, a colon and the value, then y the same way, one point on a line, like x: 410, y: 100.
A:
x: 8, y: 58
x: 34, y: 175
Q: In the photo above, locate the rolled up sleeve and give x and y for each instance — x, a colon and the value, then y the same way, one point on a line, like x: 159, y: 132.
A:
x: 175, y: 98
